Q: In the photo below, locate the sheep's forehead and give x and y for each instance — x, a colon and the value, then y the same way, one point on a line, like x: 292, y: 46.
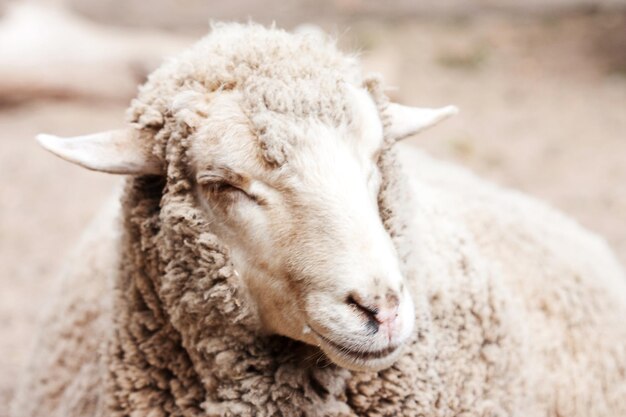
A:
x: 229, y: 137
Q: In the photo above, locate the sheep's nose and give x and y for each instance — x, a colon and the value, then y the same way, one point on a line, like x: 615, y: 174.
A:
x: 381, y: 312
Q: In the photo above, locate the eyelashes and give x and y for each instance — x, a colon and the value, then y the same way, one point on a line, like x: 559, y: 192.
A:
x: 219, y: 189
x: 209, y: 178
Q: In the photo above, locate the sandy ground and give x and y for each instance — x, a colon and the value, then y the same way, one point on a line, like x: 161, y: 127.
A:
x: 543, y: 110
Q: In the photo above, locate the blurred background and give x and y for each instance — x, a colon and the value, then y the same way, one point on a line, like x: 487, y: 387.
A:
x: 541, y: 85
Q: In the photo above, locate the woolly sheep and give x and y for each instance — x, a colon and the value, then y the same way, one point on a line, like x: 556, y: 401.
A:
x: 278, y: 254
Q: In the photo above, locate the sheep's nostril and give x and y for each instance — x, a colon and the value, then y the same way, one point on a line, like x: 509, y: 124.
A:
x: 380, y: 312
x: 370, y: 312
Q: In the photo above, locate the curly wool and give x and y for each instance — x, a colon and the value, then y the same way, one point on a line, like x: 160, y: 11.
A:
x: 283, y: 79
x: 511, y: 320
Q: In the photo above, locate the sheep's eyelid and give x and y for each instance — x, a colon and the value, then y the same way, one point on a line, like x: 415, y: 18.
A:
x: 212, y: 178
x: 206, y: 178
x: 222, y: 175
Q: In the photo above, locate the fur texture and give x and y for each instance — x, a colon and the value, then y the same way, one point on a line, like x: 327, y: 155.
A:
x: 519, y: 311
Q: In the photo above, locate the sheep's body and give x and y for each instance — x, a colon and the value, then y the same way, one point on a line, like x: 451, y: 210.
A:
x: 519, y: 311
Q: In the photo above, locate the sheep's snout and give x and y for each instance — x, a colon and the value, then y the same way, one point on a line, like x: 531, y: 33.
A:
x: 366, y: 328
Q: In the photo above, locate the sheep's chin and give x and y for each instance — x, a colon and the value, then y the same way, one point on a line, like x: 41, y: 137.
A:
x: 359, y: 361
x: 355, y: 363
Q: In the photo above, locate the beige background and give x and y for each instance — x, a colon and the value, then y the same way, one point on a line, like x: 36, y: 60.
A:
x: 542, y: 90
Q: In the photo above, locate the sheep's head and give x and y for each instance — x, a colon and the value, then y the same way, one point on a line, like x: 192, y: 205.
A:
x: 300, y: 214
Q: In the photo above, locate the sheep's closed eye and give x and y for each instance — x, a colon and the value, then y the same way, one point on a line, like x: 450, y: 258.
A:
x: 221, y: 187
x: 218, y: 187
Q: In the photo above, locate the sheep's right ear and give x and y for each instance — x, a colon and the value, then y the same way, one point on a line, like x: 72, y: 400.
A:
x: 406, y: 121
x: 114, y: 151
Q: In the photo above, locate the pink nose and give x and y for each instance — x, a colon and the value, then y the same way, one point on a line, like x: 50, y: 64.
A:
x: 381, y: 312
x: 386, y: 314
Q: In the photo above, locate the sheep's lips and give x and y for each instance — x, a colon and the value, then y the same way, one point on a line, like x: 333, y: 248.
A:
x: 356, y: 358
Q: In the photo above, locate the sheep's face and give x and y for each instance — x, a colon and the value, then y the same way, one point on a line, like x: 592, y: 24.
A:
x: 306, y: 236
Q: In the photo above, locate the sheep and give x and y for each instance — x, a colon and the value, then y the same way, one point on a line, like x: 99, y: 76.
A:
x: 278, y: 252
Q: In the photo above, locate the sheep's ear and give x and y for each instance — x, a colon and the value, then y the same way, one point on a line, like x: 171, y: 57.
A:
x: 115, y: 151
x: 406, y: 121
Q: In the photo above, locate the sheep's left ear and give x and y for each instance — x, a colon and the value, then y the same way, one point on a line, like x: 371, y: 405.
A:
x: 115, y: 151
x: 406, y: 121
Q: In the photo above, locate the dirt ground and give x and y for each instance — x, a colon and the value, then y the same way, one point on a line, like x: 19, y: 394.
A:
x: 543, y: 105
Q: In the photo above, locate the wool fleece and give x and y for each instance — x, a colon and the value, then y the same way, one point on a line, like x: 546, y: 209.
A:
x: 520, y: 312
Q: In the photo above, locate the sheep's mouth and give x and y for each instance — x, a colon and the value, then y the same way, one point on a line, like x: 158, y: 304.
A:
x: 357, y: 354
